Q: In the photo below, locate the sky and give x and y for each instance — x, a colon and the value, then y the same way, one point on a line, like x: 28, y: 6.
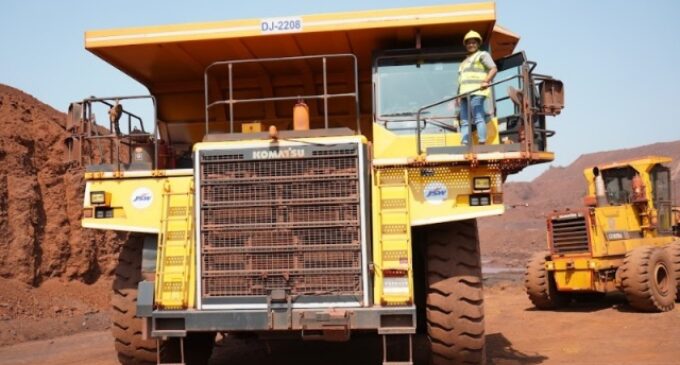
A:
x: 613, y: 56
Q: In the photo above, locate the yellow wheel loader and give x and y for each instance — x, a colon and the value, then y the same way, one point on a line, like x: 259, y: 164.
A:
x: 622, y: 240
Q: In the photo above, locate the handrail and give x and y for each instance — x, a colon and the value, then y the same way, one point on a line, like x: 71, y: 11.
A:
x: 92, y: 134
x: 466, y: 95
x: 324, y: 96
x: 130, y: 115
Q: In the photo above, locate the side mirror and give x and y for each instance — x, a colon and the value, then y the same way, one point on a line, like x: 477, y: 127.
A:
x: 551, y: 93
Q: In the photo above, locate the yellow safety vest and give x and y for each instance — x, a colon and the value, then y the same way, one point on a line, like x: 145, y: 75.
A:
x: 471, y: 74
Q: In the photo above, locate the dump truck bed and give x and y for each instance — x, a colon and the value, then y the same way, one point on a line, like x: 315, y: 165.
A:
x: 170, y: 60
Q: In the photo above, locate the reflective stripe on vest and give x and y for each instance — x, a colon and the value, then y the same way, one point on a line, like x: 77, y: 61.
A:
x: 471, y: 74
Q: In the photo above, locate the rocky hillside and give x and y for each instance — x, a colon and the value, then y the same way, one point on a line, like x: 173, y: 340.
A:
x: 41, y: 199
x: 510, y: 238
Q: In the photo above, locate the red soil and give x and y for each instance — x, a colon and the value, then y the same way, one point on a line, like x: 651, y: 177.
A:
x: 41, y: 199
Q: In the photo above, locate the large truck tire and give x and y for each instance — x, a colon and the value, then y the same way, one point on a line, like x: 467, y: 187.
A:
x: 454, y: 309
x: 132, y: 349
x: 648, y: 279
x: 540, y: 284
x: 674, y: 251
x: 126, y: 328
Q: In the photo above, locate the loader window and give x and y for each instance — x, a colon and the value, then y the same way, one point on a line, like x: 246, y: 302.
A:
x: 661, y: 193
x: 618, y: 184
x: 406, y: 83
x: 661, y: 182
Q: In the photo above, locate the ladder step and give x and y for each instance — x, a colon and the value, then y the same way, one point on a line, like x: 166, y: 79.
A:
x: 387, y: 354
x: 396, y: 330
x: 392, y: 184
x: 385, y: 211
x: 179, y: 219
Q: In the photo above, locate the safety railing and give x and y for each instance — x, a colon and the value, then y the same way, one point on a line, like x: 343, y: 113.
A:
x: 529, y: 107
x: 88, y: 137
x: 325, y: 96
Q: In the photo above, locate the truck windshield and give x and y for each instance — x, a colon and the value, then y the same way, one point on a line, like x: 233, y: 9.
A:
x: 403, y: 85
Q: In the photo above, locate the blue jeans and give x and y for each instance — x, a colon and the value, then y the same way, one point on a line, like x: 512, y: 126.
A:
x: 478, y: 117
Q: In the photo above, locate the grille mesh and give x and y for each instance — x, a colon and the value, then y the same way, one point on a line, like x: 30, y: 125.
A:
x: 291, y: 224
x: 569, y: 235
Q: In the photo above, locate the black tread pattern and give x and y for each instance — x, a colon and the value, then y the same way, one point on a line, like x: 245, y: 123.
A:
x: 637, y: 279
x: 125, y: 327
x: 540, y: 285
x: 455, y: 311
x: 674, y: 251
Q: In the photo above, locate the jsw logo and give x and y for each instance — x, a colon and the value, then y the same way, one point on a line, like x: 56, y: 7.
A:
x: 142, y: 198
x: 436, y: 192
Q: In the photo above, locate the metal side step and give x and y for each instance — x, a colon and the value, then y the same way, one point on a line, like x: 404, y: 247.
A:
x: 387, y: 347
x: 181, y: 353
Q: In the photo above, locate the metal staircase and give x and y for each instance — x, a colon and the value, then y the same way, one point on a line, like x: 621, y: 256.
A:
x: 394, y: 237
x: 394, y: 259
x: 175, y: 251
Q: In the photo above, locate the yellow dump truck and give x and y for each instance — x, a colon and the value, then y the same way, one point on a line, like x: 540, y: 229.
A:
x: 305, y: 176
x: 623, y: 239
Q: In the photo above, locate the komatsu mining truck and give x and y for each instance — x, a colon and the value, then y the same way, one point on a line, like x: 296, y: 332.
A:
x: 625, y: 238
x: 304, y: 176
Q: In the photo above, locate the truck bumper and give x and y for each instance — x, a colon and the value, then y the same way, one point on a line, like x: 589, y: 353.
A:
x: 393, y: 320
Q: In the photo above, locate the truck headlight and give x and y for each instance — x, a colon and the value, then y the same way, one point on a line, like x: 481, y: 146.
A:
x: 481, y: 183
x: 98, y: 198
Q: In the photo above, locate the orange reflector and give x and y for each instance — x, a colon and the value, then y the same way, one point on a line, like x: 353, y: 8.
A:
x: 394, y: 272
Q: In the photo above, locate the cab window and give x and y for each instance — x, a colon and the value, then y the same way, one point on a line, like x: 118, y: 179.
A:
x: 619, y: 184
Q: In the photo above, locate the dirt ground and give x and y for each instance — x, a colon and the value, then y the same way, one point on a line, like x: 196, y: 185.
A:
x: 56, y: 308
x: 603, y: 332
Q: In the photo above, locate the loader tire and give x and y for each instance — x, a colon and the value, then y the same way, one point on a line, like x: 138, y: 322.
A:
x: 126, y: 328
x: 454, y: 298
x: 674, y: 251
x: 540, y: 284
x: 648, y: 279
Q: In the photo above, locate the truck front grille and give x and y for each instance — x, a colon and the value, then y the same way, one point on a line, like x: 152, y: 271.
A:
x: 569, y: 234
x: 291, y: 224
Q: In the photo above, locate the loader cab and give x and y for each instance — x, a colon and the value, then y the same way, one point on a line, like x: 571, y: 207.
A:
x: 643, y: 184
x: 620, y: 186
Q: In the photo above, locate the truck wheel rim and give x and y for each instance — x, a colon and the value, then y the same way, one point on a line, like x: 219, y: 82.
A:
x: 661, y: 278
